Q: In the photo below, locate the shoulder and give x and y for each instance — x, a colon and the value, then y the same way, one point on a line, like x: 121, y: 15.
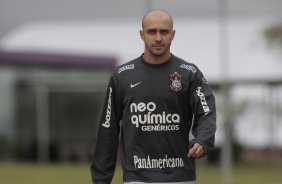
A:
x: 186, y: 66
x: 126, y: 66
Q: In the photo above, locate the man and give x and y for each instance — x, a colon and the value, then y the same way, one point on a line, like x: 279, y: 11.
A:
x: 151, y: 105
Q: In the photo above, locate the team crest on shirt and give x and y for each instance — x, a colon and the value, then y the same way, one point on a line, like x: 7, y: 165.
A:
x: 176, y: 80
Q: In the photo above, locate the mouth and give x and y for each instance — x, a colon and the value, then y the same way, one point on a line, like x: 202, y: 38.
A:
x: 158, y: 46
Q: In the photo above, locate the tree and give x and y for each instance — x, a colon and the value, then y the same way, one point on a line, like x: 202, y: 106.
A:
x: 273, y: 36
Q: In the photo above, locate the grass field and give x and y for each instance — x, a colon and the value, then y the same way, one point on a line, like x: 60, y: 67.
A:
x: 26, y: 173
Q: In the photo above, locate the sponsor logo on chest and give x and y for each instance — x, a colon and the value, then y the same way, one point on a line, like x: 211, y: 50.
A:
x: 144, y: 116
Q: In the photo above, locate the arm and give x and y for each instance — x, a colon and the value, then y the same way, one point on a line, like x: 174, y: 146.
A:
x: 105, y: 154
x: 204, y: 124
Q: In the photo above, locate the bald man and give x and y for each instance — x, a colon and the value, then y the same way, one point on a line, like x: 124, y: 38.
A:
x: 151, y: 105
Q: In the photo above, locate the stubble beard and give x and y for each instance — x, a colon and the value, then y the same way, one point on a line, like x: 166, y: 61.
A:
x: 157, y: 53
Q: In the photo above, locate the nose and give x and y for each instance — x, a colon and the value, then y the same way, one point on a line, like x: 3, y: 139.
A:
x: 158, y: 37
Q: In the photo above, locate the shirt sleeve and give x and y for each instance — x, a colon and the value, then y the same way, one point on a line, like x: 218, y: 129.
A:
x: 105, y: 153
x: 204, y: 111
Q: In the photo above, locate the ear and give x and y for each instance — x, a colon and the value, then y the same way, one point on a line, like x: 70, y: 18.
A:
x: 173, y: 34
x: 141, y: 32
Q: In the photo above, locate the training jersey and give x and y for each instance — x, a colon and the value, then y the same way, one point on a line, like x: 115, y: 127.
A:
x: 149, y: 111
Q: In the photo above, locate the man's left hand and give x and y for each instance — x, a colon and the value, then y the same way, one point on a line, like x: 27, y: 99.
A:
x: 196, y: 151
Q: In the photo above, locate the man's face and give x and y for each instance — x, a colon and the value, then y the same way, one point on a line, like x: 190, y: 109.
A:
x: 157, y: 35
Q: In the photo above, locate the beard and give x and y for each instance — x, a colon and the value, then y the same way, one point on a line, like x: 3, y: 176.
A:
x: 157, y: 52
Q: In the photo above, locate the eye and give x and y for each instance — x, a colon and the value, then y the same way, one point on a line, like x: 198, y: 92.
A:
x: 151, y: 31
x: 164, y: 32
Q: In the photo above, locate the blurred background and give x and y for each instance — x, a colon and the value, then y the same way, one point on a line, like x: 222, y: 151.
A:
x: 56, y: 57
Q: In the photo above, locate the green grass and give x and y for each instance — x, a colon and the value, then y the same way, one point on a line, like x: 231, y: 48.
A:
x: 44, y: 173
x: 26, y: 173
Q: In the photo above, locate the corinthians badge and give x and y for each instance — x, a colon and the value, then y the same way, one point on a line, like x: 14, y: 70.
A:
x: 176, y: 84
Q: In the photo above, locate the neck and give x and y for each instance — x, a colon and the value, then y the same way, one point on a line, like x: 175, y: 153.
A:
x: 151, y: 59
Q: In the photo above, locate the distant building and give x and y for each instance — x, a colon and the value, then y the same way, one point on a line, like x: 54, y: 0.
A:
x: 50, y: 103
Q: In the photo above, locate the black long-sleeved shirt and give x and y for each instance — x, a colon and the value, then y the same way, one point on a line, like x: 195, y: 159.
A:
x: 149, y: 111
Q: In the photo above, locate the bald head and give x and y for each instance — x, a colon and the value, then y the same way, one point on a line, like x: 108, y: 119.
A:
x: 160, y: 15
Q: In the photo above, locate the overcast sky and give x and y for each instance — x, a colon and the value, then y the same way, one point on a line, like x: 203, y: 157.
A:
x: 17, y: 12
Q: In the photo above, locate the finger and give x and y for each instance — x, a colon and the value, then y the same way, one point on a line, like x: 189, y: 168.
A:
x: 191, y: 153
x: 192, y: 150
x: 198, y: 154
x: 200, y: 151
x: 196, y: 151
